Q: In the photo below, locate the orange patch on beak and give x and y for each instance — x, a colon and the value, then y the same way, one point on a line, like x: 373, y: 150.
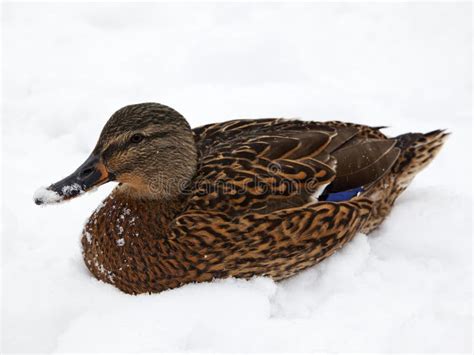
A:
x: 104, y: 173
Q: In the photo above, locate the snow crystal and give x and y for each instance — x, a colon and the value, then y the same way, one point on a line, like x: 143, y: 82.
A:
x: 72, y: 188
x: 121, y: 242
x: 88, y: 237
x: 101, y: 268
x: 45, y: 196
x: 119, y: 229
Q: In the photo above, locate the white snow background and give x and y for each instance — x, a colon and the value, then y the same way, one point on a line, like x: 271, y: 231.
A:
x: 68, y: 67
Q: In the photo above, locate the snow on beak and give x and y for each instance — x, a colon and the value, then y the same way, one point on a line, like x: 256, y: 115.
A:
x: 90, y: 174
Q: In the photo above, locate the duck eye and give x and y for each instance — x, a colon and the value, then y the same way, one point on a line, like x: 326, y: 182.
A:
x: 136, y: 138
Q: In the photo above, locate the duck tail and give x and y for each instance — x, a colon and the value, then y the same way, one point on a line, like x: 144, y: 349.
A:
x: 417, y: 151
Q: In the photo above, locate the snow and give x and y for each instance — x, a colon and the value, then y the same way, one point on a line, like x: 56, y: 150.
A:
x: 45, y: 196
x: 68, y: 67
x: 72, y: 188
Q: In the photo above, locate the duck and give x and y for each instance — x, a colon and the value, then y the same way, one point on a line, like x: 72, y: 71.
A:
x: 241, y: 198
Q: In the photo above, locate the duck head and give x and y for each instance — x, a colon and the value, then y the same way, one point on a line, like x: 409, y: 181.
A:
x: 148, y: 148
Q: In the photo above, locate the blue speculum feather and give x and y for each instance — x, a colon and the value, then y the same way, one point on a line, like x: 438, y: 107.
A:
x: 342, y: 195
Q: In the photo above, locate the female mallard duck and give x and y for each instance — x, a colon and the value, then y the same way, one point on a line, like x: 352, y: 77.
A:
x: 233, y: 199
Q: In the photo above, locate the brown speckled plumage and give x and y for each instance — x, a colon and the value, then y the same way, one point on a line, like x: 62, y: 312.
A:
x: 245, y: 199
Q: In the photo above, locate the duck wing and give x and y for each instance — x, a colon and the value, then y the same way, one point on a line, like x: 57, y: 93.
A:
x: 270, y: 164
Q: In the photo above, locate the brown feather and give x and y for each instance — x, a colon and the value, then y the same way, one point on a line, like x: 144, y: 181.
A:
x: 363, y: 164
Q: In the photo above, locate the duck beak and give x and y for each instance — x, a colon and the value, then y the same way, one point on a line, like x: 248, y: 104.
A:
x: 90, y: 174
